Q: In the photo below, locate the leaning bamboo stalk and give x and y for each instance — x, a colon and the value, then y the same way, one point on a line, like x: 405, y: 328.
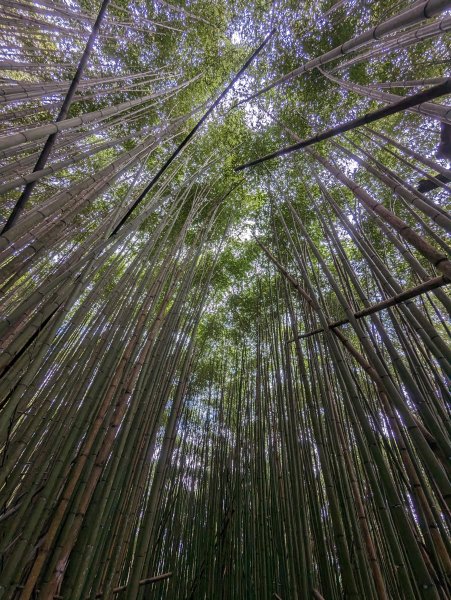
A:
x: 422, y: 11
x: 146, y: 581
x: 64, y: 110
x: 69, y: 201
x: 403, y: 250
x: 427, y: 332
x: 18, y: 166
x: 390, y: 388
x: 413, y: 262
x: 36, y: 175
x: 71, y: 197
x: 15, y: 114
x: 390, y: 179
x: 436, y: 180
x: 332, y: 237
x: 409, y: 151
x: 191, y: 134
x: 282, y: 269
x: 422, y: 288
x: 71, y: 268
x: 20, y: 87
x: 399, y: 106
x: 121, y: 588
x: 439, y: 260
x: 36, y: 133
x: 429, y: 109
x: 408, y: 83
x: 403, y: 41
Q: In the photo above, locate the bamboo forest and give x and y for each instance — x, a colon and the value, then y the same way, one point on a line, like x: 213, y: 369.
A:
x: 225, y: 310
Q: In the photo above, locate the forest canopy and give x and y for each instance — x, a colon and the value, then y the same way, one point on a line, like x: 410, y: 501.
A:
x: 224, y: 274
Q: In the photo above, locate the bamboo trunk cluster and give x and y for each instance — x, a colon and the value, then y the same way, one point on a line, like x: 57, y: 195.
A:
x: 189, y: 411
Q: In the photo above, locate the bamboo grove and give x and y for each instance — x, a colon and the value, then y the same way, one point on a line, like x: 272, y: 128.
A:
x: 224, y: 271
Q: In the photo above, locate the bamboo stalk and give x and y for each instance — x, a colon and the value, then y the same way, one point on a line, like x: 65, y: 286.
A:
x: 50, y: 142
x: 146, y: 581
x: 437, y: 91
x: 423, y: 288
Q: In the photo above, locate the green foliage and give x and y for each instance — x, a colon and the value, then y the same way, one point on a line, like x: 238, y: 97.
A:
x: 209, y: 41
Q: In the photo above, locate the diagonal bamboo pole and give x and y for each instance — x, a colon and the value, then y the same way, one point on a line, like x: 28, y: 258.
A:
x: 434, y: 92
x: 50, y: 142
